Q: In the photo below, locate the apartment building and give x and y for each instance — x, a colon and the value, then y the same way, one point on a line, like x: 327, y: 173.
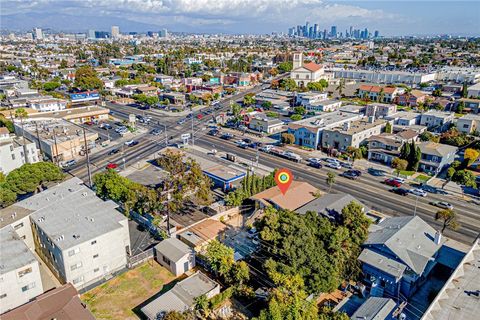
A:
x: 438, y: 121
x: 379, y: 94
x: 15, y: 151
x: 436, y: 156
x: 308, y: 132
x: 19, y: 271
x: 43, y: 104
x: 80, y: 237
x: 380, y: 110
x: 351, y: 134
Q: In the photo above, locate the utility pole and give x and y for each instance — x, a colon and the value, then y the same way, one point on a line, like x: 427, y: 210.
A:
x: 88, y: 158
x: 55, y: 159
x: 193, y: 133
x: 416, y: 201
x: 38, y: 139
x: 168, y: 215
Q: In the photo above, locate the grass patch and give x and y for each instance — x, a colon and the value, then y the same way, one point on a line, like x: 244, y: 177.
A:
x: 117, y: 298
x: 406, y: 173
x: 422, y: 178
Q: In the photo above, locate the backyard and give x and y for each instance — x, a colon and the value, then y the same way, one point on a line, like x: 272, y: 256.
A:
x: 117, y: 298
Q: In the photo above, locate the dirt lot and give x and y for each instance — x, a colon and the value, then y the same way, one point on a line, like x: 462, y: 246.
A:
x: 117, y: 298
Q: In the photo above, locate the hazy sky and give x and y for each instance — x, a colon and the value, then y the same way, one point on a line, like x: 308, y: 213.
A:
x: 244, y: 16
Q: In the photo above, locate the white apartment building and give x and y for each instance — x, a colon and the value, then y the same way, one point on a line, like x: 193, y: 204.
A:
x: 80, y: 237
x: 388, y: 77
x: 19, y: 271
x: 469, y: 123
x: 44, y: 104
x: 15, y: 152
x: 437, y: 120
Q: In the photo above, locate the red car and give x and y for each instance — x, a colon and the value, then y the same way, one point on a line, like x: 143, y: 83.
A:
x: 111, y: 166
x: 393, y: 183
x: 199, y: 116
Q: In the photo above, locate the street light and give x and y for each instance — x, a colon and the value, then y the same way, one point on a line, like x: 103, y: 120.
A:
x: 168, y: 215
x: 416, y: 201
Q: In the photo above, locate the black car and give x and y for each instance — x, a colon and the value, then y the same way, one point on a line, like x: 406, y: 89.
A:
x: 356, y: 172
x: 246, y: 140
x: 227, y: 136
x: 315, y: 164
x: 113, y: 151
x: 213, y: 132
x: 144, y: 107
x: 400, y: 191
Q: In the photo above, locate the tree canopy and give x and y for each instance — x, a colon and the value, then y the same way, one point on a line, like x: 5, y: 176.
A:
x: 86, y: 79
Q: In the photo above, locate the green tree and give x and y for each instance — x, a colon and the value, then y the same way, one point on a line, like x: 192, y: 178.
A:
x: 219, y: 257
x: 32, y: 177
x: 4, y: 122
x: 466, y: 178
x: 86, y: 79
x: 285, y: 66
x: 63, y: 64
x: 448, y: 218
x: 201, y: 304
x: 288, y: 84
x: 300, y: 110
x: 7, y: 196
x: 354, y: 153
x: 295, y: 117
x: 266, y: 105
x: 240, y: 273
x: 51, y: 85
x: 248, y: 100
x: 330, y: 180
x: 288, y: 138
x: 388, y: 128
x: 381, y: 95
x: 399, y: 165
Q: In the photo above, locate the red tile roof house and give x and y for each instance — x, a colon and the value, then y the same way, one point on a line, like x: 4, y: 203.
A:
x: 412, y: 99
x: 373, y: 93
x: 304, y: 73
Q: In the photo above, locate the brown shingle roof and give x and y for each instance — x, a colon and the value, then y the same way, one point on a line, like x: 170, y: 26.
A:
x: 299, y: 194
x: 61, y: 304
x: 208, y: 229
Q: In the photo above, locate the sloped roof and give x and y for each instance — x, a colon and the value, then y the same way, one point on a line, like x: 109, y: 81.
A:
x: 375, y: 308
x: 383, y: 263
x: 299, y: 194
x: 312, y: 66
x: 437, y: 149
x: 329, y: 204
x: 61, y: 303
x: 389, y: 90
x: 410, y: 238
x: 173, y: 249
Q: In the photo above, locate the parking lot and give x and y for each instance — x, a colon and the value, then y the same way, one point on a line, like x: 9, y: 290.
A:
x: 140, y: 238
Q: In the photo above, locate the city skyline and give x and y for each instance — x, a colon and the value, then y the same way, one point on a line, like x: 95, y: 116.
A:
x: 237, y: 17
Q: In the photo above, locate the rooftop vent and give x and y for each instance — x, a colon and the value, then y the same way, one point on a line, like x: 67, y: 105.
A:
x: 76, y: 236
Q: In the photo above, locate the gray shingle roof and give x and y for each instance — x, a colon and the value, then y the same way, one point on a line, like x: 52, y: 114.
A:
x: 173, y: 249
x: 382, y: 263
x: 329, y: 204
x: 374, y: 308
x: 181, y: 297
x: 410, y: 238
x: 436, y: 149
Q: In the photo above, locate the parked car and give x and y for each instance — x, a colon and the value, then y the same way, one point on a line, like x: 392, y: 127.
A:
x: 356, y: 172
x: 266, y: 148
x: 105, y: 126
x: 156, y: 132
x: 246, y: 140
x: 376, y: 172
x: 392, y: 182
x: 442, y: 204
x: 242, y: 144
x: 330, y: 160
x: 401, y: 180
x: 181, y: 121
x: 144, y: 107
x: 313, y: 160
x: 227, y: 136
x: 113, y: 151
x: 418, y: 192
x: 400, y: 191
x: 334, y: 165
x: 69, y: 163
x: 111, y: 166
x: 89, y: 123
x: 346, y: 165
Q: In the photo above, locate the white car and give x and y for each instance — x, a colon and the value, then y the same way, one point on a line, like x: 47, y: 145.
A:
x: 418, y: 192
x: 330, y: 160
x: 334, y: 165
x: 313, y: 160
x: 443, y: 205
x: 401, y: 180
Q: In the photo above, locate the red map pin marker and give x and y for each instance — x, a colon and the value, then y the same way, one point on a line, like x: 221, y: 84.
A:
x: 283, y: 178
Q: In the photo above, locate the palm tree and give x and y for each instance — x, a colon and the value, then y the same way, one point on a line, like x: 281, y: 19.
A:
x: 381, y: 95
x: 22, y: 114
x: 340, y: 87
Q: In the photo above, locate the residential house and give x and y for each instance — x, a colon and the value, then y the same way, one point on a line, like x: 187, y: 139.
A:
x: 147, y: 90
x: 351, y: 134
x: 298, y: 195
x: 379, y: 94
x: 19, y: 271
x: 175, y: 97
x: 324, y: 106
x: 404, y: 118
x: 80, y: 237
x: 164, y: 79
x: 306, y: 98
x: 62, y: 303
x: 376, y: 308
x: 469, y: 123
x: 380, y: 110
x: 330, y: 205
x: 398, y: 255
x: 474, y: 91
x: 412, y: 99
x: 175, y: 255
x: 16, y: 151
x: 438, y: 121
x: 199, y: 235
x: 261, y: 123
x: 436, y: 156
x: 470, y: 105
x: 308, y: 132
x: 385, y: 147
x: 182, y: 296
x: 304, y: 73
